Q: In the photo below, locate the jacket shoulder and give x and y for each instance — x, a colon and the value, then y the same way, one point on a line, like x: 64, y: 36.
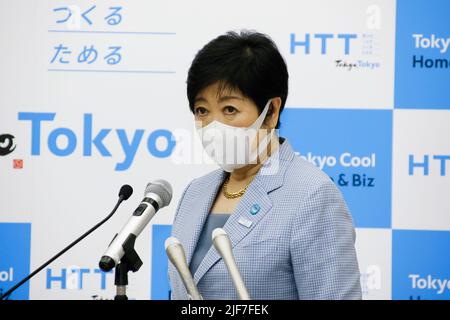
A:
x: 197, y: 186
x: 305, y: 177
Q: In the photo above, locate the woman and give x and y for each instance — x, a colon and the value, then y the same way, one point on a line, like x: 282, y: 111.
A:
x: 291, y: 231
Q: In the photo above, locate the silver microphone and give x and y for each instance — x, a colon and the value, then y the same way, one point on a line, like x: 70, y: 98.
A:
x: 176, y: 255
x: 222, y: 244
x: 157, y: 195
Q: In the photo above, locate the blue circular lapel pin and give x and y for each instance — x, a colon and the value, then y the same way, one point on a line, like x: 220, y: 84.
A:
x: 255, y: 209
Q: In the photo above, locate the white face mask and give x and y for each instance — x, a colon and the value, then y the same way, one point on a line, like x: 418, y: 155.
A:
x: 234, y: 147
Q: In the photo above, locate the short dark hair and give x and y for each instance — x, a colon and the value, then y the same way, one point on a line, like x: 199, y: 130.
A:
x: 247, y: 61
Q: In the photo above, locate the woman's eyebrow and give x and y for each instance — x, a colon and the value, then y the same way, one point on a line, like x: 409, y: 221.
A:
x: 223, y: 98
x: 200, y: 99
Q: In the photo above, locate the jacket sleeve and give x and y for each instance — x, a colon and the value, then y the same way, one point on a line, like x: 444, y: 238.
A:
x: 322, y: 247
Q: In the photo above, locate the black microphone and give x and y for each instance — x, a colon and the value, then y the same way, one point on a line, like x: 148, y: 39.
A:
x: 125, y: 192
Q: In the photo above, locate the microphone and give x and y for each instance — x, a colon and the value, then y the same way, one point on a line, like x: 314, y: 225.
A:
x: 157, y: 195
x: 125, y: 192
x: 176, y: 255
x: 222, y: 244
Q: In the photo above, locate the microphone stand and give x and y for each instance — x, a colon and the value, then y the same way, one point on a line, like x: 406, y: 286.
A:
x: 129, y: 262
x: 121, y: 198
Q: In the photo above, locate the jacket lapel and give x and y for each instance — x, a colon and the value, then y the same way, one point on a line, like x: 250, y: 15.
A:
x: 200, y: 208
x: 235, y: 229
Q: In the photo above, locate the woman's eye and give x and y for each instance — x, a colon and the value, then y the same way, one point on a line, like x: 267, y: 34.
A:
x: 230, y: 110
x: 200, y: 111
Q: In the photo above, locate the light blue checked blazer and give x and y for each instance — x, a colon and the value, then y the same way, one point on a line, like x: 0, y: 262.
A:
x: 300, y: 244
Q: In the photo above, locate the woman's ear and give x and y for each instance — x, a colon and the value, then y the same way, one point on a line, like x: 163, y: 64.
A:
x: 273, y: 113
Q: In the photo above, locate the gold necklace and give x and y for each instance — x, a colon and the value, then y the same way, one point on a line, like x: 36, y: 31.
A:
x: 233, y: 195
